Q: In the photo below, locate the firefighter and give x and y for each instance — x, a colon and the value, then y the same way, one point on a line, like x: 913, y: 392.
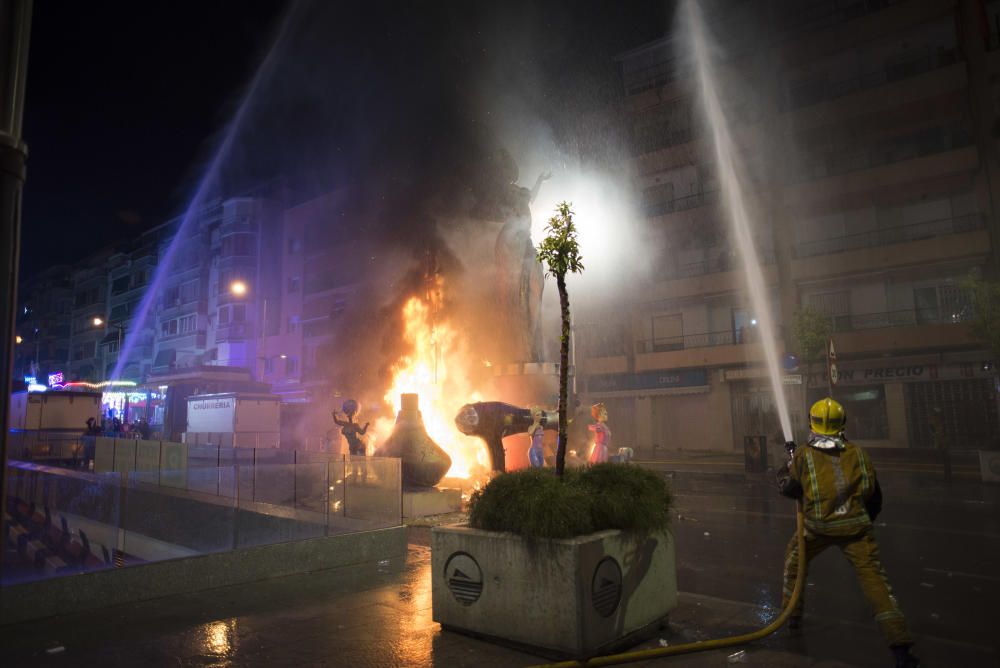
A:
x: 841, y: 498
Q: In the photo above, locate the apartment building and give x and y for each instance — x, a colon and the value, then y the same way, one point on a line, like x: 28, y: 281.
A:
x: 245, y: 283
x: 870, y: 151
x: 43, y: 323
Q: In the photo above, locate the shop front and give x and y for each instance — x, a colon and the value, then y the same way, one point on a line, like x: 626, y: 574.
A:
x: 916, y: 402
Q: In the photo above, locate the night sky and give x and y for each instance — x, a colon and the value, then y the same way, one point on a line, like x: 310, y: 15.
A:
x: 126, y: 100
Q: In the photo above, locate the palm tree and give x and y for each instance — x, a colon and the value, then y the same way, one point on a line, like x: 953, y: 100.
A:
x: 561, y: 252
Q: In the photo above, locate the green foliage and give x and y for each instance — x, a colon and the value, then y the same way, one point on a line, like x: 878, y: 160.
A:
x: 984, y: 299
x: 560, y: 250
x: 534, y: 503
x: 812, y: 330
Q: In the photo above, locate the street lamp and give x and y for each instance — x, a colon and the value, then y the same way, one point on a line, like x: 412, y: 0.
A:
x: 117, y: 325
x: 238, y: 288
x: 18, y: 339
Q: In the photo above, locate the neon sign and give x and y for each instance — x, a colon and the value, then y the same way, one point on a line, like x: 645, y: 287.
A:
x: 55, y: 378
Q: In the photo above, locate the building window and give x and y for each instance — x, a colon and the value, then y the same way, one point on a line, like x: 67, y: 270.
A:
x: 292, y: 324
x: 189, y: 292
x: 339, y: 306
x: 223, y: 315
x: 293, y: 284
x: 120, y: 285
x: 171, y: 296
x: 239, y: 312
x: 237, y: 244
x: 168, y: 328
x: 294, y: 245
x: 291, y: 365
x: 189, y: 324
x: 268, y: 365
x: 668, y: 333
x: 836, y: 305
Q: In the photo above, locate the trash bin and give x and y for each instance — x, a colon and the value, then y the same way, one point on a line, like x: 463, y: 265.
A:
x: 755, y: 454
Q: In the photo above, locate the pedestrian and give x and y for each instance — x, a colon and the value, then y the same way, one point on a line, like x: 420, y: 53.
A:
x: 841, y: 497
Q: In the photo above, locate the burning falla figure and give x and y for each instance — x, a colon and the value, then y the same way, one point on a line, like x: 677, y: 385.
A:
x: 536, y: 432
x: 602, y: 435
x: 350, y: 429
x: 492, y: 421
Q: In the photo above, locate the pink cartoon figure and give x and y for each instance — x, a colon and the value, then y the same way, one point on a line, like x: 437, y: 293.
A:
x: 602, y: 435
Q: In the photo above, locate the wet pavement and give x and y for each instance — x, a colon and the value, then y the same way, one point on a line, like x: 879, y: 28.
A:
x: 939, y: 544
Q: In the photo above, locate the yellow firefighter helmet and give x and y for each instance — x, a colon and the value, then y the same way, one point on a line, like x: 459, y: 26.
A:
x: 827, y: 417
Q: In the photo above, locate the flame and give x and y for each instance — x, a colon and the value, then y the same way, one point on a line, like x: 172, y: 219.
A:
x: 434, y: 369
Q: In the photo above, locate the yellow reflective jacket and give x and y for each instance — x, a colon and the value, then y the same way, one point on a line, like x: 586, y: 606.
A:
x: 838, y: 488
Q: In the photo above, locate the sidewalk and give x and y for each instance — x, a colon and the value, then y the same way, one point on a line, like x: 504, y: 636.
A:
x: 372, y: 616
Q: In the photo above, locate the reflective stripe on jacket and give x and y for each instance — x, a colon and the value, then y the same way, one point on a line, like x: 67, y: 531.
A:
x: 836, y: 486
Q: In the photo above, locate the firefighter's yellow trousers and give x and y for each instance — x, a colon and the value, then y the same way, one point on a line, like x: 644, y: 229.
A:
x: 862, y: 551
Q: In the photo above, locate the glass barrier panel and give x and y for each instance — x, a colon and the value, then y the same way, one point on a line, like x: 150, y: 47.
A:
x: 161, y: 522
x: 373, y: 492
x: 59, y: 521
x: 269, y: 515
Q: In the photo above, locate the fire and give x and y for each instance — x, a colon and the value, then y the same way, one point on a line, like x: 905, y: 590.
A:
x: 434, y: 369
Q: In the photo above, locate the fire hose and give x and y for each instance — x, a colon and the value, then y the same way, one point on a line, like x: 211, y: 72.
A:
x: 715, y: 643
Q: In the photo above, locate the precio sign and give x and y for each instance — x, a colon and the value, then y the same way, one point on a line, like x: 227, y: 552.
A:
x: 903, y: 373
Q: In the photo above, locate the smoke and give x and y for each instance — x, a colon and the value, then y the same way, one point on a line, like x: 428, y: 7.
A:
x: 423, y: 115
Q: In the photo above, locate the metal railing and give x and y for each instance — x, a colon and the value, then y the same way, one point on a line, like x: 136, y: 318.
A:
x: 727, y: 337
x: 932, y: 315
x: 901, y: 149
x: 814, y: 91
x: 890, y: 235
x: 692, y: 201
x: 725, y: 260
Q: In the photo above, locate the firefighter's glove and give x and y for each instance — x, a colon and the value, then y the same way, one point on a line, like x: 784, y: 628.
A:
x: 787, y: 485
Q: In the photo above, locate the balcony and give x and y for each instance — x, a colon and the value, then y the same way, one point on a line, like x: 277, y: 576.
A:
x: 833, y: 189
x: 233, y: 332
x: 956, y: 246
x: 908, y: 329
x: 890, y: 235
x: 692, y: 201
x: 702, y: 349
x: 685, y: 341
x: 815, y: 91
x: 713, y: 276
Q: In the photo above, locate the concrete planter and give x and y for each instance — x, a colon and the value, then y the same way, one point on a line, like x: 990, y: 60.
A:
x: 577, y: 597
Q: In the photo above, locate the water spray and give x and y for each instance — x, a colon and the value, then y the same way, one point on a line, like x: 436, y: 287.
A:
x: 729, y: 164
x: 210, y: 177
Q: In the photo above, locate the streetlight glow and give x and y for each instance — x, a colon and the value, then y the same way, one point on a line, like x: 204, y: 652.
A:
x: 18, y: 339
x: 238, y: 288
x: 98, y: 322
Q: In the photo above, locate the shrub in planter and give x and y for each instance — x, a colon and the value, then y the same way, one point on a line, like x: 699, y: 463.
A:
x: 534, y: 503
x: 570, y: 567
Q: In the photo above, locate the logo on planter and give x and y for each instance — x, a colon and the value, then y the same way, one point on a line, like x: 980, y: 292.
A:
x: 465, y: 578
x: 606, y: 587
